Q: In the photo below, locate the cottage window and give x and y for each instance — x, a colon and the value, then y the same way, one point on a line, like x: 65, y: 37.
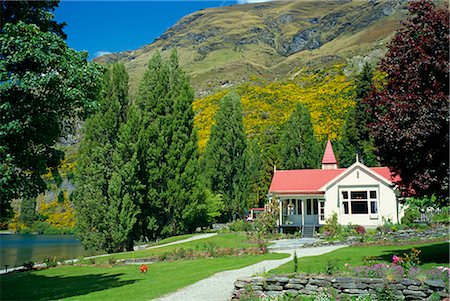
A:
x: 308, y: 206
x: 359, y: 207
x: 373, y: 207
x: 360, y: 202
x: 345, y: 207
x: 322, y: 211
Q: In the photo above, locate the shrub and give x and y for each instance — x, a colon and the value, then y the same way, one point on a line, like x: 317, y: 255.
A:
x: 50, y: 263
x: 332, y: 228
x: 332, y: 266
x: 411, y: 214
x: 359, y: 229
x: 240, y: 226
x: 295, y: 262
x: 380, y: 270
x: 386, y: 293
x: 442, y: 217
x: 28, y: 265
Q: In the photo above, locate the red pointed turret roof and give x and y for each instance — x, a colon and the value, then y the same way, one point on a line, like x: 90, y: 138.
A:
x: 328, y: 156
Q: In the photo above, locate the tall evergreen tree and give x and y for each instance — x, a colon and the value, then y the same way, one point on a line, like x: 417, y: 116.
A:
x: 167, y: 152
x: 224, y: 159
x: 105, y: 216
x: 356, y: 135
x: 298, y: 145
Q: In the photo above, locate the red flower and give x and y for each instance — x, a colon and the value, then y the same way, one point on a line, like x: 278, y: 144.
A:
x: 143, y: 268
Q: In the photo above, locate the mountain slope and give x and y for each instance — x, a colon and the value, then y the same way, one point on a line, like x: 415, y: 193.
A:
x: 226, y: 46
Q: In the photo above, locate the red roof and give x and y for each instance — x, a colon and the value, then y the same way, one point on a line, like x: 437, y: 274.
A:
x: 328, y: 156
x: 257, y: 209
x: 309, y: 181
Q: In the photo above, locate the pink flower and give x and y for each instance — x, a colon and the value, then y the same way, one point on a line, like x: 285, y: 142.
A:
x: 396, y: 259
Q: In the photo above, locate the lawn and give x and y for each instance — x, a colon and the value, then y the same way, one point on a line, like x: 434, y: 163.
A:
x: 117, y: 282
x: 432, y: 254
x: 228, y: 240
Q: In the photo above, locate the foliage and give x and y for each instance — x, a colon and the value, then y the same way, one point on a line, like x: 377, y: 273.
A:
x: 442, y: 217
x: 332, y: 227
x: 411, y: 215
x: 28, y: 265
x: 332, y: 266
x: 298, y: 145
x: 45, y: 87
x: 408, y: 260
x: 266, y: 222
x: 356, y: 136
x: 225, y: 163
x: 384, y: 271
x: 386, y: 293
x: 295, y: 260
x: 105, y: 207
x: 328, y: 97
x: 240, y: 225
x: 411, y: 111
x: 28, y: 212
x: 32, y: 12
x: 58, y: 215
x: 172, y: 195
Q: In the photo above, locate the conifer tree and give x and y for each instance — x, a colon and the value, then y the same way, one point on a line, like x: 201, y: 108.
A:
x: 104, y: 220
x: 173, y: 199
x: 298, y: 145
x: 224, y: 159
x: 357, y: 138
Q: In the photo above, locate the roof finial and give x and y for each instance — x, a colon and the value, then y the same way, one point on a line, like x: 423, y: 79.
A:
x: 274, y: 168
x: 357, y: 158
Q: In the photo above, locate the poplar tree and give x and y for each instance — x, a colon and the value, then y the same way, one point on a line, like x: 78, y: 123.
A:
x: 224, y: 159
x: 105, y: 216
x: 298, y: 145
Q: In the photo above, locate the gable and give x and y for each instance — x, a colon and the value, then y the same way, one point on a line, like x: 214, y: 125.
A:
x: 358, y: 175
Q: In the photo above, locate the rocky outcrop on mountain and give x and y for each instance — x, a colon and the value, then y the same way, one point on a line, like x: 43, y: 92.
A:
x: 268, y: 40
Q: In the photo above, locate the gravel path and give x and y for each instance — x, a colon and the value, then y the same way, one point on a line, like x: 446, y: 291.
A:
x: 219, y: 287
x: 195, y: 237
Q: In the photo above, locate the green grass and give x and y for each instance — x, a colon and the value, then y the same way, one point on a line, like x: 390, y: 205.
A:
x: 228, y: 240
x: 117, y: 282
x: 432, y: 254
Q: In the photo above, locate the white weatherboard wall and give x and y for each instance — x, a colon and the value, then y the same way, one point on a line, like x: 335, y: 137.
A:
x: 358, y: 178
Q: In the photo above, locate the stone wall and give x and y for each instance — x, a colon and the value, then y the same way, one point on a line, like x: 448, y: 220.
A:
x: 310, y: 285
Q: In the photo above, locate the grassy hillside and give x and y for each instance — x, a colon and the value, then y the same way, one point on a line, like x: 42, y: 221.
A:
x: 266, y: 42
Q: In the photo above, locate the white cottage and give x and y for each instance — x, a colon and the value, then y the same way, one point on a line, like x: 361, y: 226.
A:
x: 358, y: 194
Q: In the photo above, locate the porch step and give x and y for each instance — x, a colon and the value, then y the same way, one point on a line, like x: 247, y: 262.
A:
x: 308, y: 231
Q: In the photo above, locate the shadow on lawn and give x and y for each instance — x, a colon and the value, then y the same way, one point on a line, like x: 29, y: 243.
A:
x: 436, y: 253
x: 28, y: 286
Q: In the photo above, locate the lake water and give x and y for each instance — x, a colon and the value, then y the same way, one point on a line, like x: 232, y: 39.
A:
x: 15, y: 249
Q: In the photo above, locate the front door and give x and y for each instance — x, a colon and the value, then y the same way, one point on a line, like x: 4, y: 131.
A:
x: 311, y: 211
